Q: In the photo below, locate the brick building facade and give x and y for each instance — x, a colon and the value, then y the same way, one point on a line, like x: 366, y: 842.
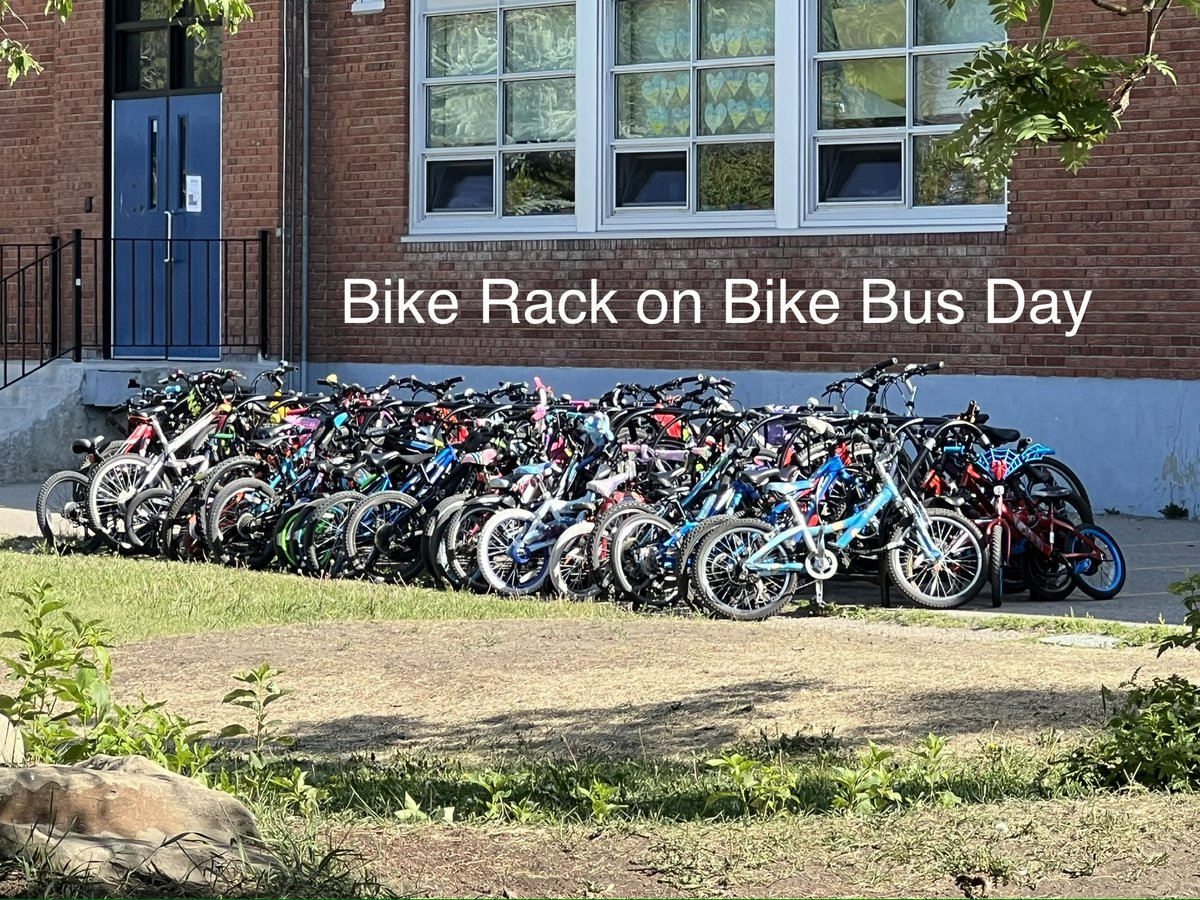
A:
x: 1124, y: 228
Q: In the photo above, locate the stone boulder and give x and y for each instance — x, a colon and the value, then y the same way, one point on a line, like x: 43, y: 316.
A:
x: 113, y: 819
x: 12, y: 745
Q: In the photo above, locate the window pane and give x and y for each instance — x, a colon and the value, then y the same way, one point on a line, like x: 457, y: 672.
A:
x: 143, y: 10
x: 862, y: 172
x: 969, y: 22
x: 735, y: 28
x: 462, y: 45
x: 737, y: 101
x: 542, y: 110
x: 737, y: 176
x: 651, y: 31
x: 654, y: 105
x: 863, y: 24
x: 462, y: 115
x: 651, y: 179
x: 459, y: 186
x: 540, y: 39
x: 142, y: 60
x: 539, y: 184
x: 943, y: 181
x: 865, y: 93
x: 201, y: 62
x: 937, y: 102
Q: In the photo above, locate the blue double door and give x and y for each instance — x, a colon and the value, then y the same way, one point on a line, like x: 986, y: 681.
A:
x: 166, y: 227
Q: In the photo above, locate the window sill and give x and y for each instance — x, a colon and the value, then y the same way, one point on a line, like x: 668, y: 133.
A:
x: 814, y: 229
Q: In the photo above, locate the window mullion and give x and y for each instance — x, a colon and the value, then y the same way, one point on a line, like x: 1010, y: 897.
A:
x: 790, y: 140
x: 590, y: 121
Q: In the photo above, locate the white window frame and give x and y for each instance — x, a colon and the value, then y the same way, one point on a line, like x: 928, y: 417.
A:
x: 796, y: 139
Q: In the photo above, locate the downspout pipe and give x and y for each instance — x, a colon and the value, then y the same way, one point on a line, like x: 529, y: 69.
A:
x: 304, y: 200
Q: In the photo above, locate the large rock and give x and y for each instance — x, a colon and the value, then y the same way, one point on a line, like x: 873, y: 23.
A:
x: 113, y: 817
x: 12, y: 746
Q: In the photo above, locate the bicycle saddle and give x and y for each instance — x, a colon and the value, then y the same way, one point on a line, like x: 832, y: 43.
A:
x: 414, y: 459
x: 606, y: 487
x: 1001, y: 435
x: 759, y: 477
x: 1049, y: 492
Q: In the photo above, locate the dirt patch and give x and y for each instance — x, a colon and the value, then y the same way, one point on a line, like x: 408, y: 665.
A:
x: 1124, y: 847
x: 630, y: 687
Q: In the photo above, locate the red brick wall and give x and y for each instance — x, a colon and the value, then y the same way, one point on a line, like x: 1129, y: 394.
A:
x: 1125, y: 227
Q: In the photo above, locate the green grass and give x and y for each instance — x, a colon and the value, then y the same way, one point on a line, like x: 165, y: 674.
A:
x: 1131, y: 634
x: 139, y: 598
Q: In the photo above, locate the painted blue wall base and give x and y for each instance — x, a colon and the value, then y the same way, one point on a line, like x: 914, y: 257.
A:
x: 1136, y: 443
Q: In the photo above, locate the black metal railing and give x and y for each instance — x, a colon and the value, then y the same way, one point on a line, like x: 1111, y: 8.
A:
x: 141, y: 298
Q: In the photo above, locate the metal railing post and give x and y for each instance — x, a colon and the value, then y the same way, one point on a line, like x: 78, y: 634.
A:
x: 77, y: 292
x: 264, y: 312
x: 55, y: 297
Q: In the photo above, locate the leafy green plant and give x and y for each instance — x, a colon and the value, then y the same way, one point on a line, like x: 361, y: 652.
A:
x: 930, y: 769
x: 63, y: 703
x: 758, y: 787
x: 1152, y: 739
x: 1174, y: 511
x: 603, y: 799
x: 262, y: 779
x: 870, y: 786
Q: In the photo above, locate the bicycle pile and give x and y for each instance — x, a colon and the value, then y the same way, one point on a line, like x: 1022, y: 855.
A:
x: 658, y: 495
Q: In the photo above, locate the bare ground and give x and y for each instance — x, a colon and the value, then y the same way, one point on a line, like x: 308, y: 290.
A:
x: 671, y: 686
x: 662, y: 687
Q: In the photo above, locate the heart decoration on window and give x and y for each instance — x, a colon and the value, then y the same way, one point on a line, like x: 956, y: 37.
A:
x: 738, y: 111
x: 715, y: 80
x: 683, y: 83
x: 714, y: 116
x: 683, y: 43
x: 759, y: 40
x: 716, y: 43
x: 651, y: 91
x: 758, y: 83
x: 657, y: 118
x: 665, y: 43
x: 761, y: 108
x: 681, y: 119
x: 735, y: 39
x: 734, y: 80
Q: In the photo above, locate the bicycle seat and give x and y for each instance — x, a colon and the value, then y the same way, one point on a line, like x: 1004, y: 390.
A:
x: 1001, y: 435
x: 759, y: 477
x: 413, y: 459
x: 788, y: 487
x: 1049, y: 492
x: 382, y: 459
x: 606, y: 487
x: 535, y: 468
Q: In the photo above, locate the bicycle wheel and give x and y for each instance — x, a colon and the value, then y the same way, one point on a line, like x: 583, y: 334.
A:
x: 285, y: 539
x: 180, y: 536
x: 431, y: 529
x: 642, y: 560
x: 112, y: 486
x: 1102, y: 575
x: 726, y: 588
x: 685, y: 564
x: 570, y: 573
x: 62, y: 513
x: 460, y: 539
x: 144, y: 516
x: 223, y: 473
x: 505, y: 562
x: 1062, y: 475
x: 241, y: 523
x: 323, y: 541
x: 383, y: 538
x: 951, y: 579
x: 606, y: 526
x: 996, y: 563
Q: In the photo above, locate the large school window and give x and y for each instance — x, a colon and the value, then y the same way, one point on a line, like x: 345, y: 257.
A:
x: 692, y: 117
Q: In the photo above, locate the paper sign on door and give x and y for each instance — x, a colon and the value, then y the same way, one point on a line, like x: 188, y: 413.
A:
x: 194, y: 191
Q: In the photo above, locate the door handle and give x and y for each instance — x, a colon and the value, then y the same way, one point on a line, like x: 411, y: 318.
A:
x: 170, y: 222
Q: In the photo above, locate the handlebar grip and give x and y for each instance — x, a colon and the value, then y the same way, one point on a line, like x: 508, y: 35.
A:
x: 878, y: 367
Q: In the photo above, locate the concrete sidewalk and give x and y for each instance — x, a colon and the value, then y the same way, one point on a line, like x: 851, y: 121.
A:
x: 1157, y: 552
